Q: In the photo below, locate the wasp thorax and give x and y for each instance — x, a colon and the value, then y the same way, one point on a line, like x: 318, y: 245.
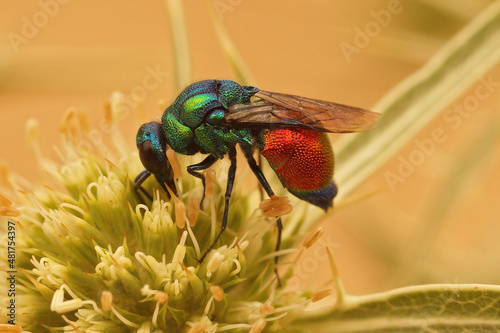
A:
x: 232, y: 93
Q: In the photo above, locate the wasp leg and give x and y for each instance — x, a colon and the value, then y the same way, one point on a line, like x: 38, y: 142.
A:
x: 259, y: 163
x: 138, y: 185
x: 229, y: 189
x: 195, y: 171
x: 263, y: 181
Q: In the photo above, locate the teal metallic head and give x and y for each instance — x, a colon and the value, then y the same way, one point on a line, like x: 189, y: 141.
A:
x: 152, y: 145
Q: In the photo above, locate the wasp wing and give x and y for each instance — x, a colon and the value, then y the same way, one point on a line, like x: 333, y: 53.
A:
x: 294, y: 111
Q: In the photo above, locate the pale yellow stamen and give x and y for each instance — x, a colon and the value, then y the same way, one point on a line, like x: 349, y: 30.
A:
x: 146, y: 290
x: 154, y: 318
x: 214, y: 263
x: 123, y: 319
x: 237, y: 269
x: 339, y: 286
x: 59, y: 305
x: 193, y: 238
x: 209, y: 304
x: 179, y: 253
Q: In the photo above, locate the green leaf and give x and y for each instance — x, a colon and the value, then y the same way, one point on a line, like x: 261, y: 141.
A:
x: 425, y: 308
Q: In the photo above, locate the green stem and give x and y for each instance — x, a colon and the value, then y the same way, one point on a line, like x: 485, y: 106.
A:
x: 181, y: 46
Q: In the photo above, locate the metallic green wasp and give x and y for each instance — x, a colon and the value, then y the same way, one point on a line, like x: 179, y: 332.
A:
x: 212, y: 117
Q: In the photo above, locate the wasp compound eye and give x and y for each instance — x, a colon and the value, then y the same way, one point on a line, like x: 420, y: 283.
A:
x: 149, y: 158
x: 152, y: 145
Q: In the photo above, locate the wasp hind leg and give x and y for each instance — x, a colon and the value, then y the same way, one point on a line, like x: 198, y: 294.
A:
x: 263, y: 181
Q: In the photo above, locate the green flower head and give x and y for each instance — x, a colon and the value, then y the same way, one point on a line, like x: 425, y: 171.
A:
x: 94, y: 257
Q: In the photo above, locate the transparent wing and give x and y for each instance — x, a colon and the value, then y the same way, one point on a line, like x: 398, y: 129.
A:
x: 294, y: 111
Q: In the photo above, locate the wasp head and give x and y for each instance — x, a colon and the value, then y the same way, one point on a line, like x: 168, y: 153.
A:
x: 152, y: 147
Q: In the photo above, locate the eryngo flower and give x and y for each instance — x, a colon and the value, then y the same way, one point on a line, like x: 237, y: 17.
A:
x: 95, y: 258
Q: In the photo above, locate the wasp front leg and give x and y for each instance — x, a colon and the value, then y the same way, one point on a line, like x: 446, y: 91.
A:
x: 195, y: 171
x: 138, y: 185
x: 229, y: 189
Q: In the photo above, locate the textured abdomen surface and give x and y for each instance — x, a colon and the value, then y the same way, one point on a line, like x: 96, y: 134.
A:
x: 303, y: 161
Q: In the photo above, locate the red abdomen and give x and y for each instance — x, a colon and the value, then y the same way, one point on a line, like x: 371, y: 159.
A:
x: 303, y: 161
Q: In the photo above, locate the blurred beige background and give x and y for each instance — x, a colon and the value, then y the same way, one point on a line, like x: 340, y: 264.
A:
x: 79, y: 52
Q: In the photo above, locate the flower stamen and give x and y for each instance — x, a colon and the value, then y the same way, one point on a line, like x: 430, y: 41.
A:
x: 174, y: 162
x: 210, y: 183
x: 9, y: 328
x: 193, y: 210
x: 106, y: 300
x: 258, y: 326
x: 58, y: 303
x: 320, y: 295
x: 123, y: 319
x: 4, y: 201
x: 180, y: 214
x: 311, y: 238
x: 276, y: 206
x: 9, y: 211
x: 217, y: 292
